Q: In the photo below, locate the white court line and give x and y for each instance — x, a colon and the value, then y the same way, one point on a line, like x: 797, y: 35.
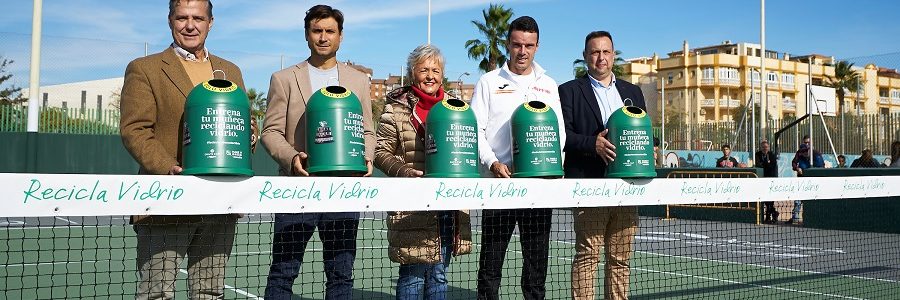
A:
x: 49, y: 263
x: 718, y: 279
x: 750, y: 284
x: 67, y: 220
x: 236, y: 290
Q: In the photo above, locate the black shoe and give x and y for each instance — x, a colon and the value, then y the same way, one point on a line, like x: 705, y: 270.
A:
x: 791, y: 221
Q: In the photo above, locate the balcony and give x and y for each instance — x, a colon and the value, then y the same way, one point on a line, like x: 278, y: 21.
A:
x: 730, y: 81
x: 729, y: 103
x: 711, y: 103
x: 788, y: 105
x: 707, y: 81
x: 896, y: 101
x: 787, y: 85
x: 884, y: 100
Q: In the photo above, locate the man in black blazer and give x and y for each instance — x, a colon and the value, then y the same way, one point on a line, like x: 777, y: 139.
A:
x: 587, y: 103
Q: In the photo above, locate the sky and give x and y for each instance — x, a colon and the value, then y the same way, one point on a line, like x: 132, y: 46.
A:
x: 95, y: 39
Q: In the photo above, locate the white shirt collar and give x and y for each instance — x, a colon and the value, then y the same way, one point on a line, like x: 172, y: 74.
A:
x: 536, y: 69
x: 188, y: 56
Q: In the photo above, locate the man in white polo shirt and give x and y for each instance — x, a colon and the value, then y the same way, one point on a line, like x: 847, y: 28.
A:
x: 497, y: 94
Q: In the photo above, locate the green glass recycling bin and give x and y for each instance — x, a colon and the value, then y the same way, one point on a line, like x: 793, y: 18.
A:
x: 451, y: 144
x: 334, y: 139
x: 535, y: 132
x: 631, y: 132
x: 216, y: 134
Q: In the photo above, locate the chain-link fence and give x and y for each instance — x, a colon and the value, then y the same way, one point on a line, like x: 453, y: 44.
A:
x: 82, y: 78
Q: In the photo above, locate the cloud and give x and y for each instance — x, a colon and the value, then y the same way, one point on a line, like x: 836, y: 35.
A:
x: 284, y: 16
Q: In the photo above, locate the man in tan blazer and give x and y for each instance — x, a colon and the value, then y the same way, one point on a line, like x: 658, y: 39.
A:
x: 152, y: 108
x: 284, y: 135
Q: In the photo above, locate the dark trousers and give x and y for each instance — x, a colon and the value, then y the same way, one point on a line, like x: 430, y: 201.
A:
x: 292, y: 233
x: 497, y: 229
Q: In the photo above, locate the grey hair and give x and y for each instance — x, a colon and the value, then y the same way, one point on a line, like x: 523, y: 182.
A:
x: 174, y: 3
x: 419, y: 55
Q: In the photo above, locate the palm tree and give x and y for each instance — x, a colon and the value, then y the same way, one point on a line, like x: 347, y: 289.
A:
x: 493, y: 29
x: 844, y: 78
x: 579, y: 66
x: 258, y: 103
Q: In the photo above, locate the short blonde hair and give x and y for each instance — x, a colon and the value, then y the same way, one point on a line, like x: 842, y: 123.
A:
x: 421, y: 54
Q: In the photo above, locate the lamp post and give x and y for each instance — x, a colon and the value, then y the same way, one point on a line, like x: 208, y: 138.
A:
x: 459, y: 84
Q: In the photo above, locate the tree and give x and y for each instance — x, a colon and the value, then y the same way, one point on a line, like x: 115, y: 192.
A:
x: 258, y: 103
x: 11, y: 94
x: 493, y: 29
x: 580, y: 69
x: 844, y: 78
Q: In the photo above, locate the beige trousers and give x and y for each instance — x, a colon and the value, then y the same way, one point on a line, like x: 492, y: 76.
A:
x: 598, y: 228
x: 206, y: 241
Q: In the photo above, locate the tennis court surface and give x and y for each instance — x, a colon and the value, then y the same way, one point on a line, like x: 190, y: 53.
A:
x: 94, y: 257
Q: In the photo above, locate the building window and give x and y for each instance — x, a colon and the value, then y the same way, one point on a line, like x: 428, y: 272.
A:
x: 772, y: 77
x: 895, y: 94
x: 754, y: 76
x: 670, y: 78
x: 709, y: 73
x: 787, y: 78
x: 728, y: 76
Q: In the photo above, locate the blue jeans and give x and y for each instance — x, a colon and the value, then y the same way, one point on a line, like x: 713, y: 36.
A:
x: 292, y: 233
x: 795, y: 213
x: 432, y: 278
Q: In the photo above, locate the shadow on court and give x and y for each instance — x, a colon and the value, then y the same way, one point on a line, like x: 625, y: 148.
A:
x: 452, y: 293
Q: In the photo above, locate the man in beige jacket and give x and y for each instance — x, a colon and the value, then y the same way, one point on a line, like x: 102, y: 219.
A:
x: 152, y: 108
x: 284, y: 135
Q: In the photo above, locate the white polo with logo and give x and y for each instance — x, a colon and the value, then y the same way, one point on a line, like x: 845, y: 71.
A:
x: 497, y: 95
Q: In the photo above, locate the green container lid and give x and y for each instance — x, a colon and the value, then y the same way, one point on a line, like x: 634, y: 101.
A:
x: 535, y: 133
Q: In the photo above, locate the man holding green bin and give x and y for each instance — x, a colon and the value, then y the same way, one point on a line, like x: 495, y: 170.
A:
x: 285, y: 136
x: 587, y: 104
x: 152, y: 109
x: 497, y: 95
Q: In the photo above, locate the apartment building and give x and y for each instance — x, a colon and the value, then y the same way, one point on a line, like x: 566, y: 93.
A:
x: 709, y: 83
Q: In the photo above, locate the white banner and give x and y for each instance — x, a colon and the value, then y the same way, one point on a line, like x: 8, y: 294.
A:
x: 33, y: 195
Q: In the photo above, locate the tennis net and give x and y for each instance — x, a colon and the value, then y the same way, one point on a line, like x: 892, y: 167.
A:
x: 63, y: 240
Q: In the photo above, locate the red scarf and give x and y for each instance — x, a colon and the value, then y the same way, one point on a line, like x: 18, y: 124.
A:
x: 425, y: 103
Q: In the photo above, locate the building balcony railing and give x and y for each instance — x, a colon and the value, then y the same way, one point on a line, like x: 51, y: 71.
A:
x: 787, y: 85
x: 729, y: 103
x: 884, y: 100
x: 711, y: 103
x: 729, y: 81
x: 896, y: 101
x: 707, y: 81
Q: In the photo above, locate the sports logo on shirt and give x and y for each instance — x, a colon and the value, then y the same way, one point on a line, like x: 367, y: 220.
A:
x: 502, y: 89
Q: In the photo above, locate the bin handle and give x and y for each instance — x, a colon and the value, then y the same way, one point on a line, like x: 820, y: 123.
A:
x: 220, y: 71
